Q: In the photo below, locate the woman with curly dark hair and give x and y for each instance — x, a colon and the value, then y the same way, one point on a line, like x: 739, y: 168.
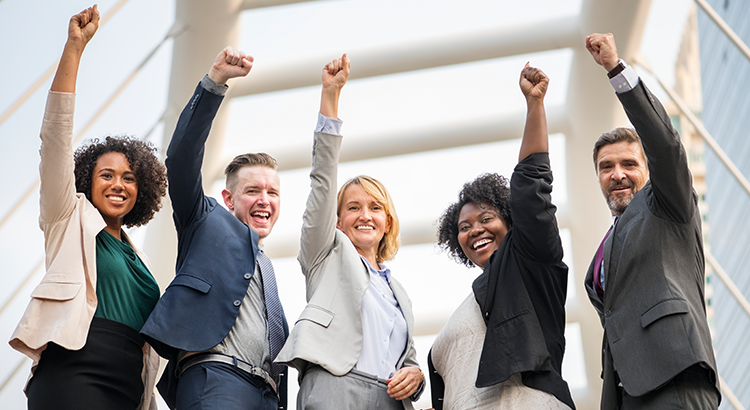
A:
x: 503, y: 347
x: 81, y: 326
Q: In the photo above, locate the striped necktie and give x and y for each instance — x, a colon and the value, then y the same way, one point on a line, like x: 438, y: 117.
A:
x: 274, y: 310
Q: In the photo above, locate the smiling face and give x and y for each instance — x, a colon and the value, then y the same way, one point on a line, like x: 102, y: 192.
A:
x: 114, y: 189
x: 255, y: 199
x: 364, y: 220
x: 622, y: 171
x: 481, y: 230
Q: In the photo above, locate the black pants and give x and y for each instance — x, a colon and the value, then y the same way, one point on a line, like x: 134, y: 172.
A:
x: 691, y: 390
x: 104, y: 374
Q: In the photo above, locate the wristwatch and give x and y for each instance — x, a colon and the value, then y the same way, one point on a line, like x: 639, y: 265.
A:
x: 617, y: 70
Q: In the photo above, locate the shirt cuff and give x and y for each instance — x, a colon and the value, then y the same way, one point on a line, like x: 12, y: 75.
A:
x: 625, y: 81
x: 328, y: 125
x: 212, y: 87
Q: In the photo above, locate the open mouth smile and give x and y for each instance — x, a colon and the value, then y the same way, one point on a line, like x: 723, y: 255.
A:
x: 480, y: 244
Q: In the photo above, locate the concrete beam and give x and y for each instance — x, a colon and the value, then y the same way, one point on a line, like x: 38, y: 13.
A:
x: 433, y: 52
x: 256, y: 4
x: 399, y: 142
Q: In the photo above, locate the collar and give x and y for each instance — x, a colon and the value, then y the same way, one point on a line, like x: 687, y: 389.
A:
x: 384, y: 272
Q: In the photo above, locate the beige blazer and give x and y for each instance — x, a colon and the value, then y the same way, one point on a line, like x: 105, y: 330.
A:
x: 63, y: 304
x: 328, y: 333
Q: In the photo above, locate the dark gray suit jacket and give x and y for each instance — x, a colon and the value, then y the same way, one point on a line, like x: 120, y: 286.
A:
x: 653, y: 312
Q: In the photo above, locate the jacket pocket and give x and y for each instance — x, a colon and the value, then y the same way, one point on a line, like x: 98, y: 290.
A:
x: 190, y: 281
x: 56, y: 290
x: 317, y: 315
x: 662, y: 309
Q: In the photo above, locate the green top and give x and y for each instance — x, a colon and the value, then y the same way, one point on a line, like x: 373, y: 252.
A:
x: 126, y: 290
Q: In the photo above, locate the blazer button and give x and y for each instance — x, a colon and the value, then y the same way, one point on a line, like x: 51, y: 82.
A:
x: 237, y: 302
x: 248, y: 276
x: 608, y: 313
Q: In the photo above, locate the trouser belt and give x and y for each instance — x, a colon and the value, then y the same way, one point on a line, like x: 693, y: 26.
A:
x: 230, y: 360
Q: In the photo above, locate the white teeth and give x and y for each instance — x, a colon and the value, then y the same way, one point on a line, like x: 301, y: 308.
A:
x: 116, y: 198
x: 481, y: 242
x: 365, y: 228
x: 261, y: 214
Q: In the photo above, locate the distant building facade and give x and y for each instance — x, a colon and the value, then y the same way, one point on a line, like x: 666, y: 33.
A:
x: 726, y: 114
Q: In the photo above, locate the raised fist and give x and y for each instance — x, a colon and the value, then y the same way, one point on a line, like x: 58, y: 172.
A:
x: 533, y: 82
x: 83, y: 25
x: 604, y: 50
x: 336, y: 72
x: 230, y: 63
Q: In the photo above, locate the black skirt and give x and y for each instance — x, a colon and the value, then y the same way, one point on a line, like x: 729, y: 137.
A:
x: 104, y: 374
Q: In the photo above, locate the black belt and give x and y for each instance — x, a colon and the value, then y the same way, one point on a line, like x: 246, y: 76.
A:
x: 191, y: 361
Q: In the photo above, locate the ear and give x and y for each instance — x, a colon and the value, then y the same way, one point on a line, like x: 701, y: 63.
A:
x: 338, y: 223
x: 388, y: 223
x: 227, y: 195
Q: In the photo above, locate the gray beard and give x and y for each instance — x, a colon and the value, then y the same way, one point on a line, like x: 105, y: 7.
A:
x: 618, y: 207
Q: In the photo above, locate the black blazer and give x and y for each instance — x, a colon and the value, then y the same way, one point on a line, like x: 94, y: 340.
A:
x: 653, y: 312
x: 215, y: 251
x: 522, y: 292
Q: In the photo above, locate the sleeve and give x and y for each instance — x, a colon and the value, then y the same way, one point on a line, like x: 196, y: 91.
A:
x: 437, y: 385
x: 57, y: 192
x: 534, y: 223
x: 328, y: 125
x: 319, y: 219
x: 185, y: 155
x: 670, y: 176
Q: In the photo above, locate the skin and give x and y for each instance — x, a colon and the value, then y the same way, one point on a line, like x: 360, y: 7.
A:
x: 114, y: 190
x: 622, y: 171
x: 364, y: 221
x: 481, y: 230
x: 405, y: 381
x: 255, y: 199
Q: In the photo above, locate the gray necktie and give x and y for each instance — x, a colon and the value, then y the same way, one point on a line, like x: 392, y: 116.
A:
x: 274, y: 310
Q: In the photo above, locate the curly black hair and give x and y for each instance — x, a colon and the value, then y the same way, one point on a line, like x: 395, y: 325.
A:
x: 150, y: 173
x: 491, y: 189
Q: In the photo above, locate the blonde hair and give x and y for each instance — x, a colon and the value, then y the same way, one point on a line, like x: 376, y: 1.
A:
x: 391, y: 241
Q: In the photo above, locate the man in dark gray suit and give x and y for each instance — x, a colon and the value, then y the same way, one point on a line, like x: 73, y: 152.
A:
x: 646, y: 281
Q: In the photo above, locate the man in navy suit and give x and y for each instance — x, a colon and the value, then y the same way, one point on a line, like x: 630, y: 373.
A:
x: 220, y: 322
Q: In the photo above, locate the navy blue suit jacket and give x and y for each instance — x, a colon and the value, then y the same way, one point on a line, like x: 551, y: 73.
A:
x: 215, y: 253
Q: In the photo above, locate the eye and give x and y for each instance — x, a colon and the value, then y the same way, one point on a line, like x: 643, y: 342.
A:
x: 486, y: 219
x: 353, y: 208
x: 129, y: 178
x: 464, y: 227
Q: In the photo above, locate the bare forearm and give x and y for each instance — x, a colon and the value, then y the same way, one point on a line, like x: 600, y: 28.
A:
x: 535, y: 137
x: 329, y: 101
x: 67, y: 71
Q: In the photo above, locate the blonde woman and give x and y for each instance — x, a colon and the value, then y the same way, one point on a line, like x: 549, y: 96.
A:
x: 353, y: 342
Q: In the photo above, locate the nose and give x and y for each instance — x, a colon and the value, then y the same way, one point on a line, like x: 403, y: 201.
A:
x: 364, y: 214
x: 618, y: 174
x: 263, y: 198
x: 476, y: 230
x: 117, y: 183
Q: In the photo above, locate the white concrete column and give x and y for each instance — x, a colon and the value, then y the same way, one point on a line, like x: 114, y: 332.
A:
x: 209, y: 27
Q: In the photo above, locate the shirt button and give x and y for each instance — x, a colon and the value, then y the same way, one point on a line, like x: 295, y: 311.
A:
x: 248, y: 276
x: 237, y: 302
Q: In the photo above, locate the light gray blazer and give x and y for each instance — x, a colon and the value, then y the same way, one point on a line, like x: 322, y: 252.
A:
x: 328, y: 333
